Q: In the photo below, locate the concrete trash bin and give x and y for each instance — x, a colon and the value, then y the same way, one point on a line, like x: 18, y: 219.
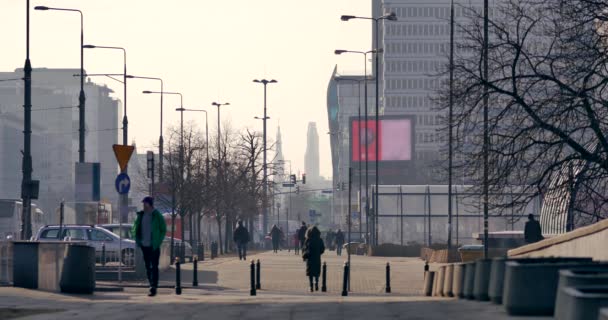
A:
x: 583, y: 302
x: 577, y: 277
x: 25, y: 264
x: 440, y: 277
x: 482, y: 279
x: 469, y: 280
x: 530, y: 285
x: 457, y: 285
x: 497, y: 277
x: 78, y: 274
x: 448, y: 281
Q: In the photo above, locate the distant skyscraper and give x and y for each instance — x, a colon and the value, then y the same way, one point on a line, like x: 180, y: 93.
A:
x: 311, y: 159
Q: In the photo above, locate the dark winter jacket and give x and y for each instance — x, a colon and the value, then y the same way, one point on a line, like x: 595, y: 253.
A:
x: 276, y: 234
x: 339, y: 238
x: 532, y: 232
x: 241, y: 235
x: 302, y: 233
x: 312, y: 251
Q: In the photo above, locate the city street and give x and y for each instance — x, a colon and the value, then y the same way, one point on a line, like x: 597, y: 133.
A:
x: 224, y: 294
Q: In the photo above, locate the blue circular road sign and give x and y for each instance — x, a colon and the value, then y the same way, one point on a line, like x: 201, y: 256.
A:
x: 123, y: 183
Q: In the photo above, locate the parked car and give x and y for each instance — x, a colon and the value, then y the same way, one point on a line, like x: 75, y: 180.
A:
x: 95, y: 237
x: 126, y: 233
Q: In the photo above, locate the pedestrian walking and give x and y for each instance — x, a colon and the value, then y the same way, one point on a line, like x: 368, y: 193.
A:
x: 241, y: 238
x: 329, y: 240
x: 275, y: 234
x: 296, y: 242
x: 339, y: 241
x: 149, y: 229
x: 311, y: 253
x: 302, y: 234
x: 532, y: 231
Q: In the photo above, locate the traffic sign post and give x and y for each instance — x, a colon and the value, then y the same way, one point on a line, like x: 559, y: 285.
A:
x: 123, y: 185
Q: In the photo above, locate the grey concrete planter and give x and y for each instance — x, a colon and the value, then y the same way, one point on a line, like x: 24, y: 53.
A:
x: 583, y: 302
x: 469, y: 280
x: 429, y: 279
x: 458, y: 280
x: 448, y: 281
x: 482, y: 279
x: 530, y: 285
x: 596, y: 275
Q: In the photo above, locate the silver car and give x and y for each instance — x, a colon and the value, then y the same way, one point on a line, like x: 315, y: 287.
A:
x: 127, y: 234
x: 95, y: 237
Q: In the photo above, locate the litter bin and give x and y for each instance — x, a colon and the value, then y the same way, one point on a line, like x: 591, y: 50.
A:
x: 25, y: 264
x: 78, y: 274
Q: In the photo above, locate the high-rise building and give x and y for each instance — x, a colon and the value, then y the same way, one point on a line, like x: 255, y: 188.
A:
x: 311, y: 158
x: 55, y: 135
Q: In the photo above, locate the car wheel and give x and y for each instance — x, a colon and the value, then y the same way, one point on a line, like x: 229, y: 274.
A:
x: 128, y: 257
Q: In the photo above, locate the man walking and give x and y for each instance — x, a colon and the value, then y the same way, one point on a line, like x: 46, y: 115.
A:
x: 339, y: 238
x: 302, y: 234
x: 241, y: 238
x: 149, y: 229
x: 532, y: 232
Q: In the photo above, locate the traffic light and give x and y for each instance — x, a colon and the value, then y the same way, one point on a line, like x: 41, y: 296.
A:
x: 303, y: 178
x: 293, y: 178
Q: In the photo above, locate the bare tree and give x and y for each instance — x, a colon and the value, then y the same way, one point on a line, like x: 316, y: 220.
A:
x: 547, y: 87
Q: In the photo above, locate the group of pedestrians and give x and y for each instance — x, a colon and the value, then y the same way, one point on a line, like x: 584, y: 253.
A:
x: 335, y: 240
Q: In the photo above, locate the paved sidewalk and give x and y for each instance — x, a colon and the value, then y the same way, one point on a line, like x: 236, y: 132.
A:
x: 224, y: 294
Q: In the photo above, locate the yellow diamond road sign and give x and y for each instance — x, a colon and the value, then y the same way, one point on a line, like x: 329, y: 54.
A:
x: 123, y: 154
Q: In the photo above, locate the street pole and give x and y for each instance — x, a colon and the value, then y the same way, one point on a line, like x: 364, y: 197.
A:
x: 350, y: 187
x: 377, y: 204
x: 486, y: 133
x: 265, y: 165
x: 26, y: 228
x: 450, y: 119
x: 161, y: 141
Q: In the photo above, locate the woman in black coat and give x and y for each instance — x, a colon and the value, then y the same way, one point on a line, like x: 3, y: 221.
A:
x: 311, y: 253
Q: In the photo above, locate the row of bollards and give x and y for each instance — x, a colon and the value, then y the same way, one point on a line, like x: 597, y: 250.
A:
x: 324, y: 277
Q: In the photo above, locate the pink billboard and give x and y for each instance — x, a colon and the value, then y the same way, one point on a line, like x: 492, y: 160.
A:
x: 393, y: 136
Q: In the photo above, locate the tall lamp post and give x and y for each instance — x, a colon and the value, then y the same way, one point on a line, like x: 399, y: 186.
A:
x: 26, y: 165
x: 81, y: 97
x: 364, y: 53
x: 486, y: 131
x: 265, y: 82
x: 219, y: 157
x: 206, y: 160
x: 391, y: 17
x: 160, y: 139
x: 181, y: 105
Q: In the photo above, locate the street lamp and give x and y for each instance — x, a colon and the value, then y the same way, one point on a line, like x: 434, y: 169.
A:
x: 207, y: 156
x: 160, y: 139
x: 265, y: 82
x: 219, y: 157
x: 181, y: 104
x: 26, y: 164
x: 364, y: 53
x: 390, y: 17
x: 81, y: 97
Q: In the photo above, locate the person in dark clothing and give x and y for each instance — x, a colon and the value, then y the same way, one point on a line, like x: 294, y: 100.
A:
x: 311, y: 253
x: 329, y: 239
x: 275, y: 234
x: 302, y: 234
x: 532, y: 231
x: 149, y: 229
x: 241, y: 238
x: 339, y: 241
x: 296, y: 242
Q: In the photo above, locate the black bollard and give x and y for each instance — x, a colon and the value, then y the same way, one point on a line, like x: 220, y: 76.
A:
x: 324, y: 278
x: 103, y: 254
x: 345, y: 280
x: 258, y: 283
x: 252, y: 278
x: 388, y: 278
x: 195, y: 271
x: 178, y: 277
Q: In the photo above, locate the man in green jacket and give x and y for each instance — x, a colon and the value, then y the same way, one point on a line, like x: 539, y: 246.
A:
x: 149, y: 230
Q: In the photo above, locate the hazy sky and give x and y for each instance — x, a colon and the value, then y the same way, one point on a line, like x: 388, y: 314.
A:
x: 208, y: 50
